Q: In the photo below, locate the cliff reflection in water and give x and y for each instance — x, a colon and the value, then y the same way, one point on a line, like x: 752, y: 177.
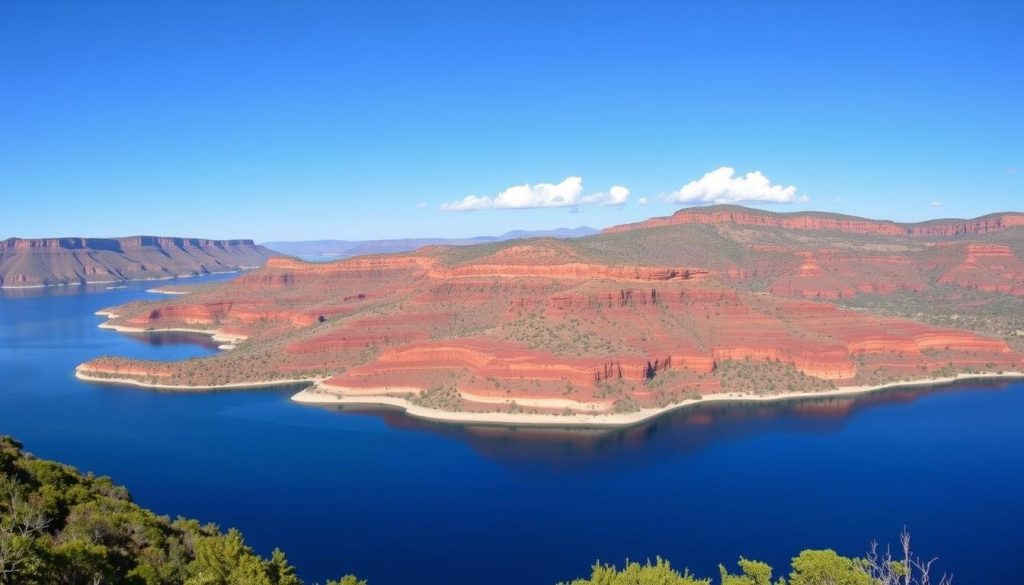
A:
x: 162, y: 338
x: 684, y: 432
x: 61, y: 290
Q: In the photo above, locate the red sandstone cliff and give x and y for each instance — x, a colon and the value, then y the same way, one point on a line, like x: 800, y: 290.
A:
x: 40, y: 262
x: 731, y: 214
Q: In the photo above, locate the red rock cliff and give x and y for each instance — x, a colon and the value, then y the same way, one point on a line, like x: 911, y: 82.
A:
x: 729, y: 214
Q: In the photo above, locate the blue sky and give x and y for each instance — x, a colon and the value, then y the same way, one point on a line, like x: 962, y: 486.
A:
x: 309, y: 120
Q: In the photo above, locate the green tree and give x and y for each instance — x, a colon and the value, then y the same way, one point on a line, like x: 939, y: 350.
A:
x: 753, y: 573
x: 77, y: 562
x: 658, y: 573
x: 826, y: 567
x: 346, y: 580
x: 226, y: 560
x: 279, y: 570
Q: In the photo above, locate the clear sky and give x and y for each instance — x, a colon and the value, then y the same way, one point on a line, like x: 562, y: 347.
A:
x: 309, y: 120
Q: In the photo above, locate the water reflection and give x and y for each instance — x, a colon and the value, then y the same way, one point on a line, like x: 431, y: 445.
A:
x: 169, y: 338
x: 674, y: 435
x: 55, y: 291
x: 134, y: 286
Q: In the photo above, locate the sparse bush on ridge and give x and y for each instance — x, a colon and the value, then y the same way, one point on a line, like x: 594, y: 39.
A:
x: 810, y: 567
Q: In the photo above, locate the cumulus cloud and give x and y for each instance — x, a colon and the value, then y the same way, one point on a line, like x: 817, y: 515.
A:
x: 616, y: 196
x: 421, y: 206
x: 642, y: 201
x: 568, y: 193
x: 724, y: 186
x: 936, y: 204
x: 564, y: 194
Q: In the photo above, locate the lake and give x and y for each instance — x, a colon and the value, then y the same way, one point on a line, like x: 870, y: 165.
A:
x: 397, y: 500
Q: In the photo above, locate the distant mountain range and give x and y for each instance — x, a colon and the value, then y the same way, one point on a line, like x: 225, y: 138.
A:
x: 55, y: 261
x: 52, y: 261
x: 336, y: 249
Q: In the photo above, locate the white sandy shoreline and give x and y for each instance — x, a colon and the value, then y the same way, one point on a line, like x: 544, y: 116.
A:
x: 315, y: 395
x: 81, y: 375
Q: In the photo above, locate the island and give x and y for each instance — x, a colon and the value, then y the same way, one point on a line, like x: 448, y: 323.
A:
x: 711, y: 303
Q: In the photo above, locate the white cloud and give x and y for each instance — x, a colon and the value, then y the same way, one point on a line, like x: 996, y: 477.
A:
x: 565, y: 194
x: 568, y: 193
x: 421, y: 206
x: 722, y: 186
x: 936, y: 204
x: 615, y: 197
x: 642, y: 201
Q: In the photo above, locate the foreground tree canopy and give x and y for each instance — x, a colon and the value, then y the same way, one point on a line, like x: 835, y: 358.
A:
x: 61, y: 527
x: 810, y: 567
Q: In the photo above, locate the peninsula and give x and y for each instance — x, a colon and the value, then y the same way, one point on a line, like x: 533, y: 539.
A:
x: 720, y: 302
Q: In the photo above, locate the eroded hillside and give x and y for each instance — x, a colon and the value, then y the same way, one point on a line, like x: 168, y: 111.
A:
x: 638, y: 317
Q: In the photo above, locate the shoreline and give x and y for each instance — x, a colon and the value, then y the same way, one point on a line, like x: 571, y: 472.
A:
x: 229, y: 339
x: 85, y: 377
x: 314, y: 396
x: 154, y: 278
x: 161, y: 291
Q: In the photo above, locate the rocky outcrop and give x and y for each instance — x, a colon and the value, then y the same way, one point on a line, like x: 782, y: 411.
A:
x: 120, y: 244
x: 375, y: 332
x: 946, y: 228
x: 553, y: 264
x: 989, y: 268
x: 217, y: 313
x: 284, y: 272
x: 828, y: 274
x: 41, y: 262
x: 572, y: 271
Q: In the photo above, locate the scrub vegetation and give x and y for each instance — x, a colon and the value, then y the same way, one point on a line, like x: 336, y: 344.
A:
x: 62, y: 527
x: 810, y: 567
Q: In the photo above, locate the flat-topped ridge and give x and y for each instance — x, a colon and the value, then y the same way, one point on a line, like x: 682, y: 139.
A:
x: 813, y: 220
x: 76, y: 243
x: 26, y: 262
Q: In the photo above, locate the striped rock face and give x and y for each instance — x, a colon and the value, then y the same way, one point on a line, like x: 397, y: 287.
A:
x: 706, y: 301
x: 57, y: 261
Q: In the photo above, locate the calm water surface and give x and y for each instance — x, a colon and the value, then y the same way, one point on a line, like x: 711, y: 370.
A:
x: 399, y: 501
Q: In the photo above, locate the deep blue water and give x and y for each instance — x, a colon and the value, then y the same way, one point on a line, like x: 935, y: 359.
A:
x: 399, y: 501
